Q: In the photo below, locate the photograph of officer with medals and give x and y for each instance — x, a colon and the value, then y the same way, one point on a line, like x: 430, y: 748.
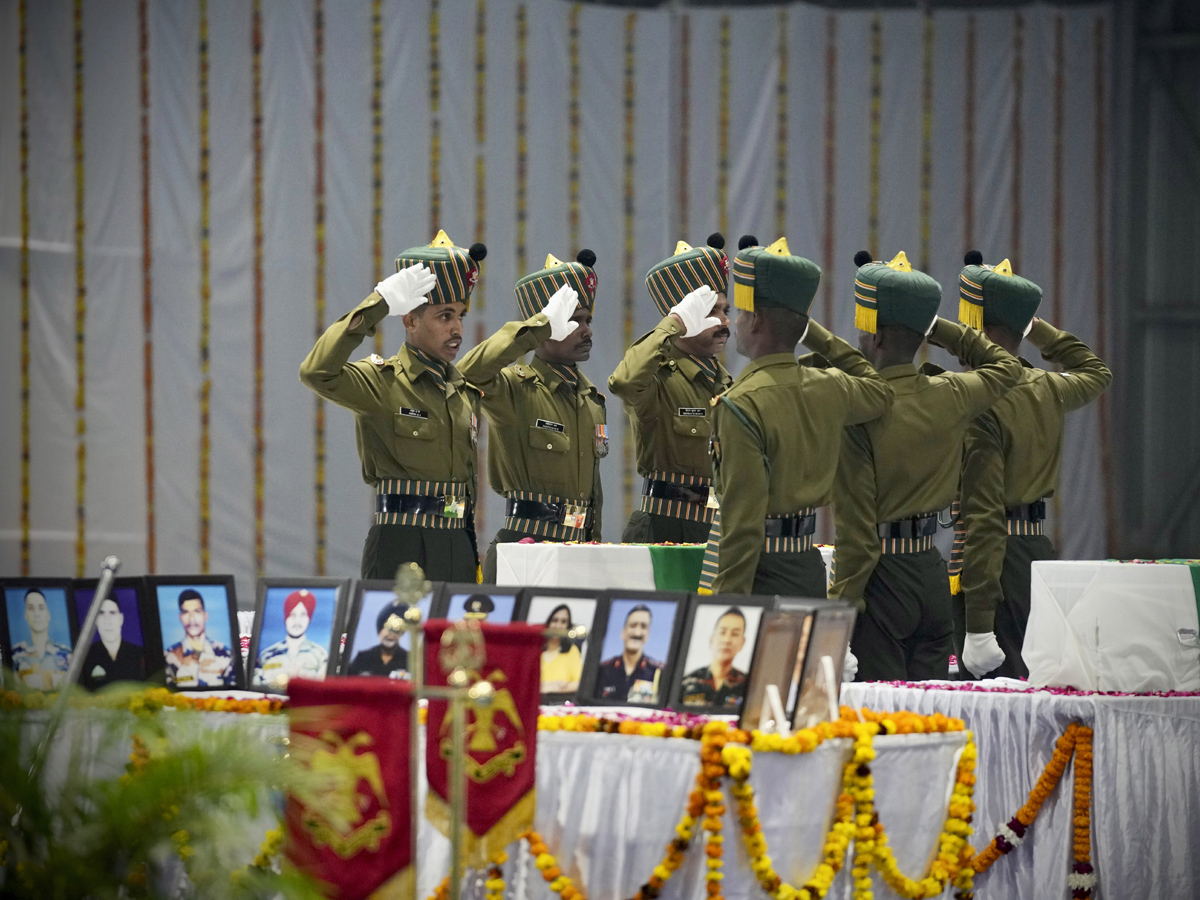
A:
x: 39, y: 631
x: 297, y: 630
x: 633, y: 661
x: 717, y: 652
x: 376, y: 642
x: 197, y: 616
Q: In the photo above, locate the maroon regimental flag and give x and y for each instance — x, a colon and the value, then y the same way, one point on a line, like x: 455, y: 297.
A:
x: 349, y: 820
x: 501, y: 739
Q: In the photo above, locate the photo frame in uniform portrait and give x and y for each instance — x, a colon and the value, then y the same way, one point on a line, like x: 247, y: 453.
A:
x: 498, y: 604
x: 198, y: 633
x: 39, y: 629
x: 297, y: 630
x: 722, y: 630
x: 125, y: 645
x: 563, y: 659
x: 648, y: 625
x: 821, y: 682
x: 778, y: 661
x: 368, y: 650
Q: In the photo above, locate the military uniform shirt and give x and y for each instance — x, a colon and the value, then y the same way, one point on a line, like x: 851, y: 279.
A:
x: 775, y: 444
x: 907, y: 463
x: 44, y: 671
x: 700, y: 689
x: 668, y: 398
x: 408, y: 425
x: 309, y: 660
x: 637, y: 687
x: 1013, y: 454
x: 211, y: 667
x: 547, y: 437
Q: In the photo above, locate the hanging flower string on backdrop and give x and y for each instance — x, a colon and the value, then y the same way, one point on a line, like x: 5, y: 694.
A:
x: 80, y: 310
x: 22, y: 67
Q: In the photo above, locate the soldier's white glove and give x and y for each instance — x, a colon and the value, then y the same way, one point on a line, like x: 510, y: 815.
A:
x: 559, y: 311
x: 407, y: 289
x: 850, y: 666
x: 982, y: 653
x: 694, y: 310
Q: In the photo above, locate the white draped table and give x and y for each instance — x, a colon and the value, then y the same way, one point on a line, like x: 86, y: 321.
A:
x: 1145, y: 784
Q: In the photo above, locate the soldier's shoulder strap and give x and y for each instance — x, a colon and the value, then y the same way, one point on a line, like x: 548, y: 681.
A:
x: 750, y: 425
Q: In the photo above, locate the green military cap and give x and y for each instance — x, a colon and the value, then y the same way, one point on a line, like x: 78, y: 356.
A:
x: 993, y: 295
x: 535, y: 290
x: 893, y: 293
x: 456, y: 268
x: 688, y: 269
x: 771, y: 276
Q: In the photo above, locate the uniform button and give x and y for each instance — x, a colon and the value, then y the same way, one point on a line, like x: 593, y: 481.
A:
x: 415, y: 434
x: 693, y: 431
x: 549, y: 446
x: 581, y: 494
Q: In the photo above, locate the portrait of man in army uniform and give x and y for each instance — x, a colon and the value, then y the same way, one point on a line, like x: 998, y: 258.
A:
x: 632, y: 675
x: 719, y: 683
x: 295, y: 655
x: 197, y: 661
x: 39, y: 661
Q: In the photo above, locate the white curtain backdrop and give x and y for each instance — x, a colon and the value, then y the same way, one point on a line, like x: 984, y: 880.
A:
x: 827, y: 158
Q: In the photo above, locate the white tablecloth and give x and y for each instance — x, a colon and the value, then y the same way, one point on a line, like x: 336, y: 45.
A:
x: 598, y: 566
x: 1112, y: 626
x: 1145, y: 785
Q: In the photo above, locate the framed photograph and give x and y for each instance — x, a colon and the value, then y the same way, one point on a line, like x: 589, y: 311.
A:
x: 778, y: 661
x: 821, y: 682
x: 719, y: 636
x: 562, y: 609
x: 297, y: 630
x: 373, y: 648
x: 491, y: 603
x: 198, y: 633
x: 631, y: 663
x: 39, y: 630
x: 119, y: 650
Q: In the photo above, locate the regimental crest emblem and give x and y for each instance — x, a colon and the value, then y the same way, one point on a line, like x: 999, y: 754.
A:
x: 472, y: 276
x: 495, y: 734
x: 345, y: 804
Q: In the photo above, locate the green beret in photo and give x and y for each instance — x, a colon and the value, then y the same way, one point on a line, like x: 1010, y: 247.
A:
x: 894, y: 293
x: 535, y: 290
x: 688, y: 269
x: 456, y: 268
x: 993, y: 295
x: 772, y: 276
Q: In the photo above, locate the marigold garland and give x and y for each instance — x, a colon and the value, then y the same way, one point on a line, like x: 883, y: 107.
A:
x: 1082, y: 879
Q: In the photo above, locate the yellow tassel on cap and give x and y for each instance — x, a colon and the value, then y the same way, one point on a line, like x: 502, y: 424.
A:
x: 900, y: 263
x: 955, y: 584
x: 682, y: 247
x: 864, y: 318
x: 441, y: 240
x: 552, y: 260
x: 780, y: 248
x: 970, y: 313
x: 743, y: 296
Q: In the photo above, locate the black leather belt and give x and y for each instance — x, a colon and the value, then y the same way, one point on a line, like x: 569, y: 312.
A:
x: 1034, y: 512
x: 544, y: 512
x: 409, y: 503
x: 912, y: 527
x: 791, y: 526
x: 685, y: 493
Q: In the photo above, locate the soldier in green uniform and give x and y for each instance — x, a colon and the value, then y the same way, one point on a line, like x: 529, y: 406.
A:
x: 548, y: 425
x: 668, y: 379
x: 897, y: 473
x: 1011, y: 463
x: 776, y: 430
x: 415, y: 416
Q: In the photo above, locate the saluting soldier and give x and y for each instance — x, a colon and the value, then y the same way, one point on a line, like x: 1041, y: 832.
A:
x: 776, y: 430
x: 548, y: 423
x: 1011, y: 463
x: 667, y: 380
x: 415, y: 416
x: 897, y: 473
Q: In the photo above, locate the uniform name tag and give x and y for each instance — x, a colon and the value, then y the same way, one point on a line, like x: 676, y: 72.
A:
x: 692, y: 411
x: 551, y: 426
x: 415, y: 413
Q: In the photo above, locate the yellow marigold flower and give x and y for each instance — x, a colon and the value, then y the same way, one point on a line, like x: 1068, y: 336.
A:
x: 557, y: 885
x: 662, y: 872
x: 714, y: 863
x: 714, y: 876
x: 544, y: 861
x: 494, y: 884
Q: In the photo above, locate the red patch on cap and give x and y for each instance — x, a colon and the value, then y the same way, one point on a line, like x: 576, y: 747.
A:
x: 472, y: 276
x: 590, y: 281
x: 724, y: 263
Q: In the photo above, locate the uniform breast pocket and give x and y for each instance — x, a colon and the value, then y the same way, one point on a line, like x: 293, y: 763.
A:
x: 691, y: 438
x: 415, y: 444
x: 549, y: 440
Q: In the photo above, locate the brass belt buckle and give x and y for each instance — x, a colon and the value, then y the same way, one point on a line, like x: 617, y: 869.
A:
x: 712, y: 503
x: 454, y: 508
x: 574, y: 516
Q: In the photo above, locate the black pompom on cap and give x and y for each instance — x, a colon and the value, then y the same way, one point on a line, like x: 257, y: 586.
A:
x: 747, y: 240
x: 716, y: 240
x: 587, y: 257
x: 973, y: 258
x: 862, y: 257
x: 477, y: 252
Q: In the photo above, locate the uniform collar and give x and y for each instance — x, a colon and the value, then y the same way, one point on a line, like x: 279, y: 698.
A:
x: 771, y: 359
x: 691, y: 370
x: 408, y: 362
x: 553, y: 380
x: 902, y: 370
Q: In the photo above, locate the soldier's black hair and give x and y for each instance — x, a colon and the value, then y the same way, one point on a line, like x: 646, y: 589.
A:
x: 732, y: 611
x: 190, y: 594
x: 641, y: 607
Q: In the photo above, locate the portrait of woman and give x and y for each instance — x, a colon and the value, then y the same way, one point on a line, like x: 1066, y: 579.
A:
x: 562, y: 663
